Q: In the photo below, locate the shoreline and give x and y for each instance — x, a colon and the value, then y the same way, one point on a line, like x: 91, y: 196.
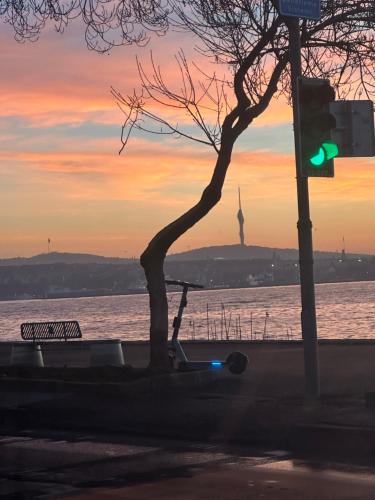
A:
x: 144, y: 292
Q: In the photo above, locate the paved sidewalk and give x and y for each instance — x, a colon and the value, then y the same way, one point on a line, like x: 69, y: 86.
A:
x: 71, y: 465
x: 233, y: 482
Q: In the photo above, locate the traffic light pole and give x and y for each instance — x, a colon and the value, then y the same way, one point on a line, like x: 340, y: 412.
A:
x: 304, y: 225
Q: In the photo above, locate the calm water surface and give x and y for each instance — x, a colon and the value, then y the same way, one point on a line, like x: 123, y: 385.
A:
x: 344, y: 310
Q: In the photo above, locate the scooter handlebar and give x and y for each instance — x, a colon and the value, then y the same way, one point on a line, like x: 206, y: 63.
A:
x: 184, y: 284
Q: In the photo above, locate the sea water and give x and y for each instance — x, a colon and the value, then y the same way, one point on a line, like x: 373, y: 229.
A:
x: 344, y: 310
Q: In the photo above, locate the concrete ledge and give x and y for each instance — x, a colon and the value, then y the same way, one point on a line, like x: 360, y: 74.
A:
x: 106, y: 352
x: 156, y: 384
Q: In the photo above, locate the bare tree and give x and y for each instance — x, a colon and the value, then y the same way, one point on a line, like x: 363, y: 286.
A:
x: 108, y: 23
x: 249, y: 39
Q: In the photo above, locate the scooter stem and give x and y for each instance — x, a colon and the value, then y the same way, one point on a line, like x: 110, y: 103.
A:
x: 183, y: 303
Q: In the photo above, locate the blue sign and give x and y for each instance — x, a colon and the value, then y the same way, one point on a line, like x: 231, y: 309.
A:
x: 307, y: 9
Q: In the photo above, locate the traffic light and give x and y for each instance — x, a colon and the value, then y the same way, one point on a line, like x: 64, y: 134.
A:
x: 316, y: 123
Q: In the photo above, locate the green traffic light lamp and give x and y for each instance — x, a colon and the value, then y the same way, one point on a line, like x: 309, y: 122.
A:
x: 327, y: 151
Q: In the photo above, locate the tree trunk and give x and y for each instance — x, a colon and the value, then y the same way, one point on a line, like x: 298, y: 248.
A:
x: 154, y: 272
x: 152, y: 259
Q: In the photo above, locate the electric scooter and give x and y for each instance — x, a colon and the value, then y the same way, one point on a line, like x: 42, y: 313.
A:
x: 236, y: 362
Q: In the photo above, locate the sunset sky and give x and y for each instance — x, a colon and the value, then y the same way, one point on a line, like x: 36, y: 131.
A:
x: 62, y: 177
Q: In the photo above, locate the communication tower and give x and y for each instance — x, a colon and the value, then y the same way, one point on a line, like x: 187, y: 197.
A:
x: 241, y: 219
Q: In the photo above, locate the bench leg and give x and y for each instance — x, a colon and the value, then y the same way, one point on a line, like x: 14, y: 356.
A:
x: 26, y: 355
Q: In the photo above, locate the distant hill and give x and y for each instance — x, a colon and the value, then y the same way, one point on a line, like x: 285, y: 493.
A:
x: 239, y: 252
x: 227, y: 252
x: 63, y: 258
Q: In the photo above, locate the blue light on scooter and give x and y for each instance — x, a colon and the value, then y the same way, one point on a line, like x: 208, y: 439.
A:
x: 216, y: 364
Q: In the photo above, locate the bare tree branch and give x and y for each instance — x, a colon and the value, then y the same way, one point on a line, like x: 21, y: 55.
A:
x: 108, y: 23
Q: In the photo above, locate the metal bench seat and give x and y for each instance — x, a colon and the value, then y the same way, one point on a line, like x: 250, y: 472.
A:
x: 51, y: 330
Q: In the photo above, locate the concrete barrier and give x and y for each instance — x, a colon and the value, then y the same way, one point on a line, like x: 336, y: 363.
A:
x: 106, y: 353
x: 26, y: 355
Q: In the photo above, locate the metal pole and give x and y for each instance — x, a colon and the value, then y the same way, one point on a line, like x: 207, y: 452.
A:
x: 304, y: 225
x: 177, y: 319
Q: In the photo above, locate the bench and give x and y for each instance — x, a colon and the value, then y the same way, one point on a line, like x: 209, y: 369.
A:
x: 51, y: 330
x: 30, y: 354
x: 102, y: 352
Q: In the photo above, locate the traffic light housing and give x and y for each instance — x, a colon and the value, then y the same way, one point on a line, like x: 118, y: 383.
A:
x: 316, y: 123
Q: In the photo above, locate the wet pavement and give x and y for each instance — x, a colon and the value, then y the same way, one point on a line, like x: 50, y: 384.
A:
x: 79, y: 465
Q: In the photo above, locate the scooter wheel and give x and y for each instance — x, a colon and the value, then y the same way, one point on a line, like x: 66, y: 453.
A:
x: 237, y: 362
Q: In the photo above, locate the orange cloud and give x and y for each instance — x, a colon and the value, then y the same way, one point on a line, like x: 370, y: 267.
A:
x: 78, y: 186
x: 49, y: 84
